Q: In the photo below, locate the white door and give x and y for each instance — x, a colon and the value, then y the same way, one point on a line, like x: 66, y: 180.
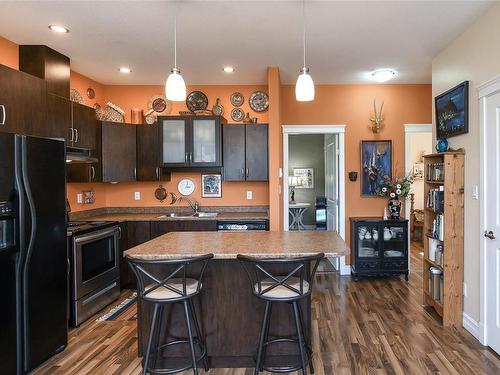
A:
x: 492, y: 213
x: 331, y: 182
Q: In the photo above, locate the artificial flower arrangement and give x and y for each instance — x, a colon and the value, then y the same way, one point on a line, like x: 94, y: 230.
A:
x: 396, y: 188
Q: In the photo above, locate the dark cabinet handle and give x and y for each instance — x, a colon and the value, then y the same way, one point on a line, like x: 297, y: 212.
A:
x: 4, y: 114
x: 157, y: 171
x: 76, y: 136
x: 248, y: 172
x: 92, y: 173
x: 242, y: 172
x: 135, y: 173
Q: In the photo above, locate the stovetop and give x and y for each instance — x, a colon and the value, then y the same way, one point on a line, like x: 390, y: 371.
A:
x: 81, y: 227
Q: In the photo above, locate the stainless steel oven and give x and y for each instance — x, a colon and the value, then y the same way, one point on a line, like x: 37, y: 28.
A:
x: 95, y: 272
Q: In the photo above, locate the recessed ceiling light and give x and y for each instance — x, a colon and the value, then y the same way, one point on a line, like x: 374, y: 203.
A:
x: 383, y: 75
x: 124, y: 70
x: 59, y: 29
x: 228, y: 69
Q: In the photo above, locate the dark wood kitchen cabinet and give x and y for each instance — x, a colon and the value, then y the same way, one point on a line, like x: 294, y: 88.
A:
x: 59, y: 117
x: 133, y: 233
x: 22, y: 103
x: 49, y: 65
x: 116, y: 151
x: 159, y: 228
x: 148, y: 154
x: 83, y: 124
x: 190, y: 142
x: 245, y: 152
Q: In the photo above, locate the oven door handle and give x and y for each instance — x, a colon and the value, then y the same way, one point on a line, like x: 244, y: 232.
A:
x: 96, y: 235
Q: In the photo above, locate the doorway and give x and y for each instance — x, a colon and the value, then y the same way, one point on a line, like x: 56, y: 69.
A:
x: 489, y: 95
x: 298, y: 178
x: 418, y: 142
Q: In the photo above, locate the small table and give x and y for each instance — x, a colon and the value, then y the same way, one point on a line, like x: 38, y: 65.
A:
x: 297, y: 211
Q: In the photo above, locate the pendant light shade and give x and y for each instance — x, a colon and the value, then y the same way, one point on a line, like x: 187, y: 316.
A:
x: 304, y: 88
x: 175, y: 87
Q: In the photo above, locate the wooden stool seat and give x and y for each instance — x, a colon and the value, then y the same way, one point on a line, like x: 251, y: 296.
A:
x: 290, y: 290
x: 172, y: 289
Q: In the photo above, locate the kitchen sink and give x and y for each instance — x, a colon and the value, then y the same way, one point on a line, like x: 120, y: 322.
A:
x: 206, y: 214
x: 174, y: 214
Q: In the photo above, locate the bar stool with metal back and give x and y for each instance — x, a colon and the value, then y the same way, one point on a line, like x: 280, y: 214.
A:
x: 159, y: 286
x: 290, y: 283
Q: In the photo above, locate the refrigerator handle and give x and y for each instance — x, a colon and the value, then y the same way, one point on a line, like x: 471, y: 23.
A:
x: 29, y: 196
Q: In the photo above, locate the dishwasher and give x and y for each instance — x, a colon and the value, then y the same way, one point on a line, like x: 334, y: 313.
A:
x: 242, y: 225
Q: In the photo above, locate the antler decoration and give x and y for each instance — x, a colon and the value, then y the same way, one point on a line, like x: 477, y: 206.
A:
x: 377, y: 119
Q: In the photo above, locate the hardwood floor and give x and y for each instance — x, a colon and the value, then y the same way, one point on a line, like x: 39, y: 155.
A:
x: 373, y: 326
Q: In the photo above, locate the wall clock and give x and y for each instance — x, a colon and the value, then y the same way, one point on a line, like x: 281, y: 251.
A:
x: 186, y: 186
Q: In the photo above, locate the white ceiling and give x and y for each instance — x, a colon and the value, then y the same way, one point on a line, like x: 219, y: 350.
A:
x: 345, y: 39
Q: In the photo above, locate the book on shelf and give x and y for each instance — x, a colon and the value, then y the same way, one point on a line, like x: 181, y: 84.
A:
x: 438, y: 227
x: 435, y: 199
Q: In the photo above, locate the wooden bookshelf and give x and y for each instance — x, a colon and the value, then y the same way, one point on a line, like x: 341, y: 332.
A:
x: 450, y: 309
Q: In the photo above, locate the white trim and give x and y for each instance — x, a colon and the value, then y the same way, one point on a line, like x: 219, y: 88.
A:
x: 484, y: 90
x: 471, y: 326
x: 318, y: 129
x: 411, y: 129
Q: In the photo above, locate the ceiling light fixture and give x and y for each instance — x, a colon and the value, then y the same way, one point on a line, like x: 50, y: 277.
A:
x: 304, y: 88
x: 124, y: 70
x: 175, y: 87
x: 59, y: 29
x: 228, y: 69
x: 383, y: 75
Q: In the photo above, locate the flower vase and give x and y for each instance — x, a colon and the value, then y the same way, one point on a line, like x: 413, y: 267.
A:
x: 394, y: 208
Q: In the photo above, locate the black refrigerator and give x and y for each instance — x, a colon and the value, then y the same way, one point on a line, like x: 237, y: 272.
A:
x: 33, y: 251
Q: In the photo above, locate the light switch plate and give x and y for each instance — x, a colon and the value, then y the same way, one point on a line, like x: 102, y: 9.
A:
x: 249, y: 195
x: 137, y: 195
x: 475, y: 192
x: 79, y: 198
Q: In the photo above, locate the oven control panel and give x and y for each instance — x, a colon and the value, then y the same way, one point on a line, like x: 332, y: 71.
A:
x: 6, y: 209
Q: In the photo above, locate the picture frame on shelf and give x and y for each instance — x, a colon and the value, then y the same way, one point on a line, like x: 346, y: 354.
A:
x: 211, y: 186
x: 452, y: 111
x: 376, y: 163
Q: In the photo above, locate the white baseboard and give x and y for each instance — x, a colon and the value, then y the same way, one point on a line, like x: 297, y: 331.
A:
x: 471, y: 326
x: 345, y: 269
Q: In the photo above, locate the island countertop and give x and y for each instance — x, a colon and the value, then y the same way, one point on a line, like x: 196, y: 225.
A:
x: 227, y: 245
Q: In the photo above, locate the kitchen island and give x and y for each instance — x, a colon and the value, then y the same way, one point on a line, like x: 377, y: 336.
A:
x: 229, y: 314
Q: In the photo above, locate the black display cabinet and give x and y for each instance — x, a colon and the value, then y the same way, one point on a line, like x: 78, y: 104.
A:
x: 378, y: 247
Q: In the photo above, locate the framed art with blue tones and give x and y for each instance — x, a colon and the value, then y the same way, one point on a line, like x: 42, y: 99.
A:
x: 452, y: 111
x: 376, y: 163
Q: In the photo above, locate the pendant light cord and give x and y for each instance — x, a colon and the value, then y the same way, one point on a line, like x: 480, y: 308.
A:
x: 175, y: 41
x: 304, y: 29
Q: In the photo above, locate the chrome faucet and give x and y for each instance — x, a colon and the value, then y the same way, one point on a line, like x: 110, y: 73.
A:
x: 195, y: 206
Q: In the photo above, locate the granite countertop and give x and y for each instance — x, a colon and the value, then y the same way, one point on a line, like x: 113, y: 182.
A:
x: 121, y: 217
x: 122, y: 214
x: 226, y: 245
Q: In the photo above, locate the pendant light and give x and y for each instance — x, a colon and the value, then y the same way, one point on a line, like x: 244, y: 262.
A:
x: 304, y: 88
x: 175, y: 87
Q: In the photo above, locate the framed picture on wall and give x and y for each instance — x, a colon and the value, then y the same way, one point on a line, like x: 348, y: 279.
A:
x: 212, y: 185
x: 305, y: 177
x: 376, y: 163
x: 452, y: 111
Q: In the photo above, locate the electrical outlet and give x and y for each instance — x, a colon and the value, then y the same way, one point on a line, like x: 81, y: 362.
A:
x: 137, y: 195
x: 465, y: 290
x: 249, y: 195
x: 475, y: 192
x: 79, y: 198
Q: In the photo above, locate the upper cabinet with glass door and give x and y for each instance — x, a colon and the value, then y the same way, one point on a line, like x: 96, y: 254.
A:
x: 190, y: 141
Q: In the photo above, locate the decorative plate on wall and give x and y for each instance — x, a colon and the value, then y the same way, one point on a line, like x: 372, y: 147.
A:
x: 259, y: 101
x: 196, y: 101
x: 237, y: 114
x: 90, y: 93
x: 237, y: 99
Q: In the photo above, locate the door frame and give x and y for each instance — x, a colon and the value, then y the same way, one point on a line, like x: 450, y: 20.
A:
x: 318, y: 129
x: 484, y: 90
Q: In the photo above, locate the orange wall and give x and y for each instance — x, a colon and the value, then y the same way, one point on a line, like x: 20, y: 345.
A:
x: 9, y: 53
x: 352, y: 105
x: 81, y: 84
x: 122, y: 194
